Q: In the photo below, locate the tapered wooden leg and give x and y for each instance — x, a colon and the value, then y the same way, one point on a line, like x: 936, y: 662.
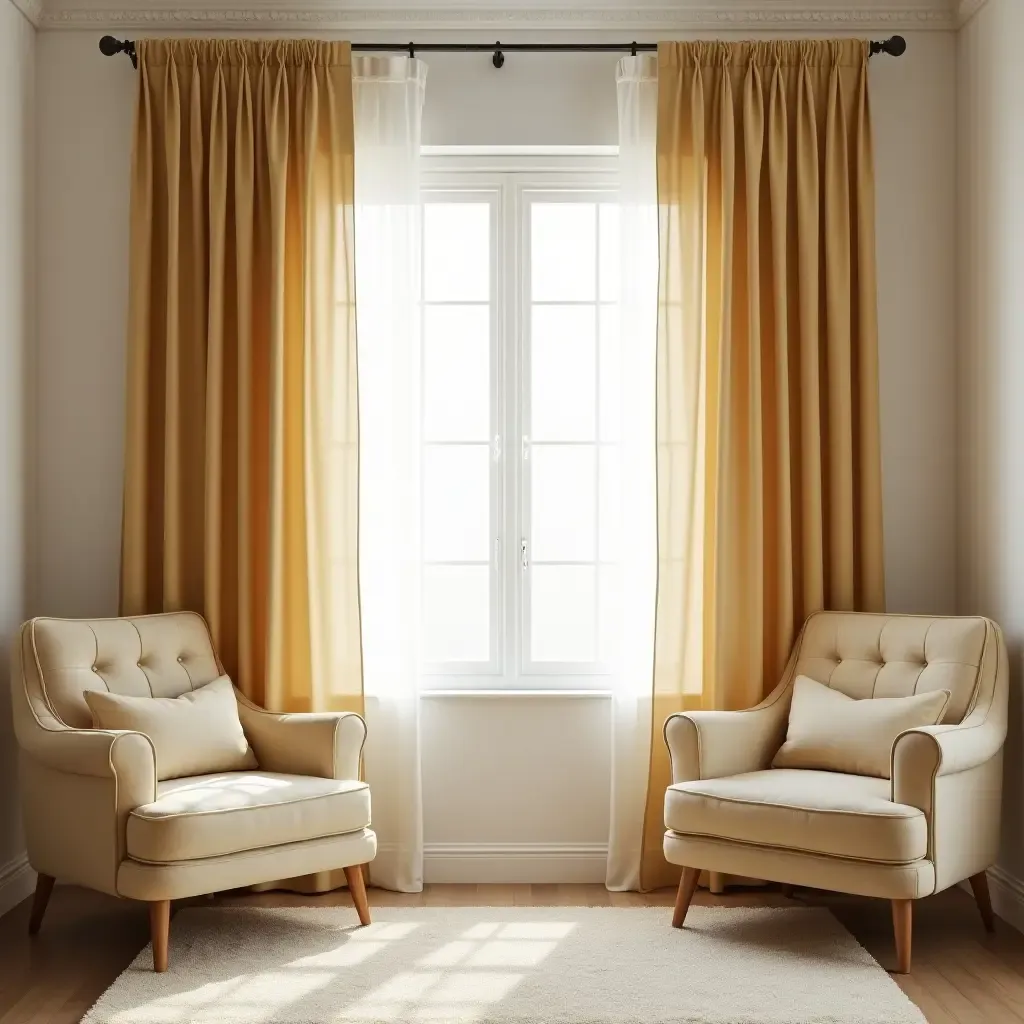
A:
x: 687, y: 887
x: 903, y: 927
x: 979, y: 883
x: 357, y: 886
x: 160, y: 932
x: 44, y: 886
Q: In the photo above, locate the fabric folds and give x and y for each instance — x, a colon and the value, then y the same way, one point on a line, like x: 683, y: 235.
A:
x: 241, y: 476
x: 389, y: 94
x: 635, y: 373
x: 769, y: 481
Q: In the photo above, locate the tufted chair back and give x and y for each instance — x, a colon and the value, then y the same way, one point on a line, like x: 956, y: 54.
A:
x: 897, y: 655
x: 147, y: 656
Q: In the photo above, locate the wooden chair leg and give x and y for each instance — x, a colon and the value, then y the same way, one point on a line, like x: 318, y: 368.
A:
x: 979, y: 885
x: 687, y: 887
x: 357, y: 886
x: 160, y: 932
x: 44, y: 887
x: 903, y: 928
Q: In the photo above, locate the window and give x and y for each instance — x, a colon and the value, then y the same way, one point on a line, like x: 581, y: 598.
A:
x: 520, y: 471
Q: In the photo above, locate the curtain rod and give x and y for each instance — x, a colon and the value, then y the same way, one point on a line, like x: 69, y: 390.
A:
x: 109, y: 46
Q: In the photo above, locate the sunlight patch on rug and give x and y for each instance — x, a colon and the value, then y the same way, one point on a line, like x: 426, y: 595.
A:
x: 507, y: 965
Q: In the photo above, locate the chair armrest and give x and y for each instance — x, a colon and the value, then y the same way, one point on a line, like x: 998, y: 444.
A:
x: 715, y: 744
x: 78, y: 788
x: 326, y: 745
x: 919, y: 756
x: 128, y: 757
x: 953, y: 773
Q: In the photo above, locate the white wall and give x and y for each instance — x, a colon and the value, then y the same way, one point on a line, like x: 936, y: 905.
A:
x: 522, y: 781
x: 17, y: 42
x: 991, y: 373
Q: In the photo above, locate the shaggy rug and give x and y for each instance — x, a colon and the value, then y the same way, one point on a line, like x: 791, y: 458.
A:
x: 507, y: 965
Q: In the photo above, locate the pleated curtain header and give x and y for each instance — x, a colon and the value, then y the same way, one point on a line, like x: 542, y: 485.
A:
x: 238, y: 52
x: 827, y: 53
x: 329, y: 53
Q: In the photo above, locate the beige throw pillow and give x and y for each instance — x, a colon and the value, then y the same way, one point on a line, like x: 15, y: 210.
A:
x: 195, y: 734
x: 836, y: 733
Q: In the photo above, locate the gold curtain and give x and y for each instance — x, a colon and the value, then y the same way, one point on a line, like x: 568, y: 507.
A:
x: 241, y: 454
x: 769, y: 479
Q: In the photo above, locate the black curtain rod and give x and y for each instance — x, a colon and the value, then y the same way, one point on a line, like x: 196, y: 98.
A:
x: 109, y: 46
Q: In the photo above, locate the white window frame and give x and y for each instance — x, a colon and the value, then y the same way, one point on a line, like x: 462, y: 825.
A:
x: 474, y: 672
x: 508, y: 178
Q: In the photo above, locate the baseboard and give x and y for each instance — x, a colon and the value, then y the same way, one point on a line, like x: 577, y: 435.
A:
x: 17, y: 880
x: 1007, y: 896
x: 508, y: 863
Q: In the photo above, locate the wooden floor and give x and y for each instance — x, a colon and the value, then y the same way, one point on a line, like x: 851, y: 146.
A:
x: 960, y: 974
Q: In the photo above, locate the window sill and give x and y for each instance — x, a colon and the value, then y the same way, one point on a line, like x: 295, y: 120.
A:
x: 514, y: 693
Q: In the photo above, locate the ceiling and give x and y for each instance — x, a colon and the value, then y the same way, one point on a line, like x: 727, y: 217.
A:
x: 616, y: 16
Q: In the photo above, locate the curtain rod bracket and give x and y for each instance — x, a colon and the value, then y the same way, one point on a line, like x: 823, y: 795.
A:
x: 498, y: 59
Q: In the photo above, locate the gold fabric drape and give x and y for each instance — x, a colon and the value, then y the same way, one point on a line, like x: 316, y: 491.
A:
x: 769, y: 479
x: 241, y: 457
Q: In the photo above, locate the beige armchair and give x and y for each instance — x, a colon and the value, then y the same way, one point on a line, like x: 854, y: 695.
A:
x: 95, y: 814
x: 934, y: 824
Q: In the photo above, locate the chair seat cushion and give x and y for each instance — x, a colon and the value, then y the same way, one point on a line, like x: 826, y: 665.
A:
x: 816, y: 812
x: 215, y: 815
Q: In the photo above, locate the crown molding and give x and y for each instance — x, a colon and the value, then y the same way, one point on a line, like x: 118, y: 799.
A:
x: 321, y: 15
x: 32, y: 9
x: 968, y: 9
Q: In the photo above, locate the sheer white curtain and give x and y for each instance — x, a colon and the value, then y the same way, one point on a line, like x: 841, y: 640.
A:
x: 637, y: 84
x: 388, y: 97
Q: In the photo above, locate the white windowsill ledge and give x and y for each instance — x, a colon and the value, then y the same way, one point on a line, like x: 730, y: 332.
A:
x: 505, y: 693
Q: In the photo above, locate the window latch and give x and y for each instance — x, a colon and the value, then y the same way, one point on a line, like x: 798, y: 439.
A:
x: 524, y: 553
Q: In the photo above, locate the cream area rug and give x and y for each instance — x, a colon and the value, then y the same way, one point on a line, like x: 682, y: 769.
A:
x: 515, y: 965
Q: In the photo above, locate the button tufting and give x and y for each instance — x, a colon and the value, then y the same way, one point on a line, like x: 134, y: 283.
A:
x: 180, y: 659
x: 95, y: 668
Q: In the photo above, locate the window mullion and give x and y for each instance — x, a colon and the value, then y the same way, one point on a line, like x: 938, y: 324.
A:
x: 596, y: 609
x: 524, y: 327
x: 511, y: 357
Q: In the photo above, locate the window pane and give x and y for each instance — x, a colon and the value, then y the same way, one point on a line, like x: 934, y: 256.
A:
x: 563, y: 244
x: 456, y: 613
x: 562, y: 613
x: 608, y: 252
x: 609, y: 614
x: 456, y: 252
x: 610, y: 503
x: 456, y: 503
x: 457, y: 373
x: 563, y: 519
x: 611, y: 373
x: 563, y: 359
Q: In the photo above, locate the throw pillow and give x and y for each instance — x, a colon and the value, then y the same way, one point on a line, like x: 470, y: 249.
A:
x: 833, y: 732
x: 197, y: 733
